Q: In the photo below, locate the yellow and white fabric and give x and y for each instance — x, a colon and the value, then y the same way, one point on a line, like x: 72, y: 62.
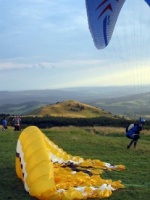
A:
x: 49, y: 173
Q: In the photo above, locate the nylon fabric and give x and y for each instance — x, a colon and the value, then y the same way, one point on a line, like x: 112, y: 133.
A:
x: 49, y: 173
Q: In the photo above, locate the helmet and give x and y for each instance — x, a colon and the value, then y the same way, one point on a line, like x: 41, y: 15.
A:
x: 142, y: 120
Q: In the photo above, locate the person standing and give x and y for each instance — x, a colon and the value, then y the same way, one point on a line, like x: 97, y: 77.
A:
x: 17, y: 121
x: 4, y: 124
x: 133, y: 132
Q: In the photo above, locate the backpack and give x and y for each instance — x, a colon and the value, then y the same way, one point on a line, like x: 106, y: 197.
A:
x: 129, y: 127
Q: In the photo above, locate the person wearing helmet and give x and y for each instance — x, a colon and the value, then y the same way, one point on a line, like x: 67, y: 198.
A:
x: 133, y: 132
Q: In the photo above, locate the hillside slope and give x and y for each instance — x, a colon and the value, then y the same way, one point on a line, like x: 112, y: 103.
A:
x: 70, y: 108
x: 20, y: 109
x: 123, y: 101
x: 132, y: 106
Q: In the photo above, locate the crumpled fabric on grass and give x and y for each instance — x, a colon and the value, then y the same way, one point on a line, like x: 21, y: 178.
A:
x: 49, y: 173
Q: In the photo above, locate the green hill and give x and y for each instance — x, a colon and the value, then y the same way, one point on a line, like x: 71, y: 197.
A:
x: 70, y: 108
x: 132, y: 106
x: 20, y: 109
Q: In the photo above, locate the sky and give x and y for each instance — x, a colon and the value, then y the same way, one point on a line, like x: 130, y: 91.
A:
x: 46, y: 44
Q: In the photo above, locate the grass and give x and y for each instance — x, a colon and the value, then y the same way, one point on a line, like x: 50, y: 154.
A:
x: 103, y: 143
x: 70, y: 108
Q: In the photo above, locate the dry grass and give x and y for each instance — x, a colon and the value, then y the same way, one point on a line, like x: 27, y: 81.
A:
x: 71, y: 109
x: 105, y: 130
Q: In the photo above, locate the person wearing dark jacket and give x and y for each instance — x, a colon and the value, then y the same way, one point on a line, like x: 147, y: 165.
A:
x: 4, y: 124
x: 133, y: 132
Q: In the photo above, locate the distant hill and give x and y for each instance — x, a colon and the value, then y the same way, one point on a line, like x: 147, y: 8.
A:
x: 70, y: 108
x: 133, y: 106
x: 82, y: 94
x: 123, y: 101
x: 20, y: 109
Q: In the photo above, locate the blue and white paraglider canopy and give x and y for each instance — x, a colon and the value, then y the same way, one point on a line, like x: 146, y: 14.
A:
x: 148, y: 2
x: 102, y: 17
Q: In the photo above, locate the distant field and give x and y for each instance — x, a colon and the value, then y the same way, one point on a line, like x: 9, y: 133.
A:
x: 103, y: 143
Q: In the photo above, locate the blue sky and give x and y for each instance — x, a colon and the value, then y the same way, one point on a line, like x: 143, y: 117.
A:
x: 46, y: 44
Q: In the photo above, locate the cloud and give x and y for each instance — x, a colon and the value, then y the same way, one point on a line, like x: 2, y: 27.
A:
x: 8, y: 65
x: 20, y: 66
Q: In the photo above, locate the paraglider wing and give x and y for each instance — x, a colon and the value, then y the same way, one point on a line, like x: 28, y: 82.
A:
x: 48, y: 172
x: 102, y: 17
x: 148, y: 2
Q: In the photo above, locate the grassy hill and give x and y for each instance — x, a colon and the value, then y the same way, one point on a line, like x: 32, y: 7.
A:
x: 125, y: 101
x: 70, y: 108
x: 103, y: 143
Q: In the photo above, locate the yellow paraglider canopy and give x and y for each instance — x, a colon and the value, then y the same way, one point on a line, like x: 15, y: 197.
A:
x: 48, y: 172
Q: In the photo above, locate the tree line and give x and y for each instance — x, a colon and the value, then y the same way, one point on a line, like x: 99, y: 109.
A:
x: 50, y: 121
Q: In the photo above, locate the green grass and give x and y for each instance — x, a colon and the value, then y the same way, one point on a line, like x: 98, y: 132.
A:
x: 101, y: 143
